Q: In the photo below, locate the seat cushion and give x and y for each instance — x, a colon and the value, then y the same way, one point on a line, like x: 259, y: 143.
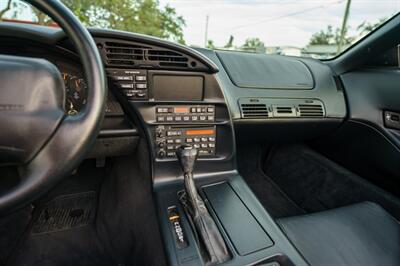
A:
x: 360, y: 234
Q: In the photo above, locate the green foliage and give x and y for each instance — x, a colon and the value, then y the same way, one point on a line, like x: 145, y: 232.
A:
x: 254, y: 45
x: 330, y: 36
x: 229, y: 44
x: 210, y: 44
x: 141, y: 16
x: 367, y: 27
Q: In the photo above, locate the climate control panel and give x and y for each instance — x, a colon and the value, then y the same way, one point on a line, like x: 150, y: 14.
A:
x: 186, y: 114
x: 169, y: 138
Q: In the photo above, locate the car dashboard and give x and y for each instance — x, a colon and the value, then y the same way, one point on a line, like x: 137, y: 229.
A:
x: 179, y: 95
x: 167, y: 95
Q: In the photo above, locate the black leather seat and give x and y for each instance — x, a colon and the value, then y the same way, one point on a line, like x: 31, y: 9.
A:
x: 361, y: 234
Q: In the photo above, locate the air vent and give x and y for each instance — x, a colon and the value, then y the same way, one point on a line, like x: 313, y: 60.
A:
x: 124, y: 54
x: 127, y: 54
x: 283, y: 111
x: 167, y: 58
x: 254, y: 111
x: 311, y: 110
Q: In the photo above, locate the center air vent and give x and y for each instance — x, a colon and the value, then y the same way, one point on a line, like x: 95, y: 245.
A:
x: 283, y: 111
x: 124, y: 54
x: 311, y: 110
x: 167, y: 58
x: 254, y: 111
x: 131, y: 54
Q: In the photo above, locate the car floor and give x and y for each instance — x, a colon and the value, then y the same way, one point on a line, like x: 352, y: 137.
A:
x: 123, y: 231
x: 293, y: 179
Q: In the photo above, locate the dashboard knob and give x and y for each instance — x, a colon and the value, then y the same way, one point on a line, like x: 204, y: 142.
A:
x: 161, y: 144
x: 161, y: 153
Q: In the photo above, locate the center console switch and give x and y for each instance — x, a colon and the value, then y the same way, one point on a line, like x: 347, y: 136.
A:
x: 169, y: 138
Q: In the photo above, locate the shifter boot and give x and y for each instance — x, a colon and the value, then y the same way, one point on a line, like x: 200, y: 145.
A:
x: 206, y: 229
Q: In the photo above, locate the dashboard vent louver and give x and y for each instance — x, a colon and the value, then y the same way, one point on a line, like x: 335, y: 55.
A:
x: 168, y: 58
x: 126, y: 54
x: 283, y: 111
x: 254, y: 111
x: 311, y: 110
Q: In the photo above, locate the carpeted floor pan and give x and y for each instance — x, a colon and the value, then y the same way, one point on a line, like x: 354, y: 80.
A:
x: 274, y: 200
x: 315, y: 183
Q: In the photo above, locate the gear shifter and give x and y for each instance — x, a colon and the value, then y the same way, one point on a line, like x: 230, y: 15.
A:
x: 201, y: 219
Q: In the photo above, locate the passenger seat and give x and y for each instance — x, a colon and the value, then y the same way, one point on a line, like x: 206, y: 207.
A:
x: 361, y: 234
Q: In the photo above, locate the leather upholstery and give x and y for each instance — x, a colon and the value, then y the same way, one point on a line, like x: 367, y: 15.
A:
x: 361, y: 234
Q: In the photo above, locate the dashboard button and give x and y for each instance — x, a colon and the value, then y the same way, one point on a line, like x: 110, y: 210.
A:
x: 197, y: 146
x: 198, y: 109
x: 126, y: 86
x: 193, y: 110
x: 170, y: 141
x: 210, y: 110
x: 189, y: 140
x: 160, y: 118
x: 170, y: 118
x: 210, y: 118
x: 178, y: 118
x: 186, y: 118
x: 141, y: 86
x: 203, y: 118
x: 196, y: 139
x: 195, y: 118
x: 211, y: 139
x: 203, y: 139
x: 211, y: 145
x: 141, y: 78
x: 122, y: 78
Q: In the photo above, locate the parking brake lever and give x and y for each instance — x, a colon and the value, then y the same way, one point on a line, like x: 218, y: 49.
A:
x: 204, y: 224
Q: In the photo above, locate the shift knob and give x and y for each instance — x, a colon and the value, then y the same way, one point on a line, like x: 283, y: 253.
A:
x: 187, y: 156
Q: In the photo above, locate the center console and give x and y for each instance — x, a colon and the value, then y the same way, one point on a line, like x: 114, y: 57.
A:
x: 175, y: 109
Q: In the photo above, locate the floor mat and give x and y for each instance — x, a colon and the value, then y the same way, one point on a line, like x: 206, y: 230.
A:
x: 66, y: 212
x: 274, y: 200
x: 315, y: 183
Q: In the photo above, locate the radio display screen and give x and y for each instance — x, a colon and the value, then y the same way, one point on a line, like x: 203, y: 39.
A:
x: 178, y: 88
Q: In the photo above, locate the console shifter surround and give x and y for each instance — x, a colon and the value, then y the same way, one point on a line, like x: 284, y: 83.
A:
x: 205, y: 227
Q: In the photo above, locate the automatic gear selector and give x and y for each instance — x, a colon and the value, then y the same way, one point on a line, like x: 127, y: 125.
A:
x: 203, y: 223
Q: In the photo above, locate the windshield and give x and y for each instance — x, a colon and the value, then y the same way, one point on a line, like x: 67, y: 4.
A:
x: 312, y: 28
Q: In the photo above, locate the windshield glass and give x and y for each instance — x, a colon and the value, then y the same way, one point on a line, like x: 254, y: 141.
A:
x: 320, y: 29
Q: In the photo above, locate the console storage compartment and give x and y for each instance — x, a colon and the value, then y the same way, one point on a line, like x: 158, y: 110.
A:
x: 244, y: 231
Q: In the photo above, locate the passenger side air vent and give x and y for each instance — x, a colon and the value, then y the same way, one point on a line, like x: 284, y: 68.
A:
x: 254, y: 111
x: 283, y: 111
x: 281, y: 108
x: 311, y: 110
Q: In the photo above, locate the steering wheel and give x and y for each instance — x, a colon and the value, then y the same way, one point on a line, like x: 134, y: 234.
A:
x: 35, y: 132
